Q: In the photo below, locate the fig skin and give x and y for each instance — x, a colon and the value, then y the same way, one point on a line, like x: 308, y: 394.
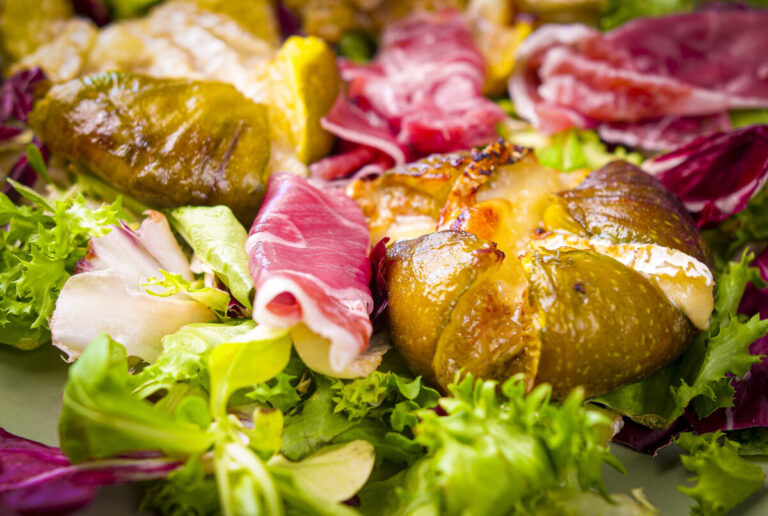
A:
x: 426, y: 277
x: 621, y: 202
x: 603, y: 324
x: 166, y: 142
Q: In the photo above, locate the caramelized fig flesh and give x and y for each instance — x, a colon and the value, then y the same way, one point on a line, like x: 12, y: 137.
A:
x: 454, y: 305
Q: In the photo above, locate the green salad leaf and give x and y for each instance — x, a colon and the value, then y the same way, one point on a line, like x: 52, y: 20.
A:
x: 723, y: 479
x: 185, y: 492
x: 171, y: 284
x: 490, y: 456
x: 618, y: 12
x: 744, y: 117
x: 738, y: 231
x: 253, y: 357
x: 101, y: 418
x: 285, y: 390
x: 700, y: 375
x: 218, y: 240
x: 571, y: 150
x: 40, y: 244
x: 185, y: 355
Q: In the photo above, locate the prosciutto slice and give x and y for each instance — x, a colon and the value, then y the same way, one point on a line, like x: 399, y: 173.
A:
x: 421, y: 95
x: 643, y: 82
x: 308, y: 256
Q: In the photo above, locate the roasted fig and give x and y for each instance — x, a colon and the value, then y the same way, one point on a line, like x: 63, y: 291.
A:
x: 600, y: 285
x: 429, y: 278
x: 167, y: 142
x: 602, y: 324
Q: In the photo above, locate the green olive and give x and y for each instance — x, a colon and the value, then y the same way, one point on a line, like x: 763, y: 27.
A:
x: 167, y: 142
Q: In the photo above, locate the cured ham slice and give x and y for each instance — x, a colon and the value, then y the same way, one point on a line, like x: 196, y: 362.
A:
x: 308, y: 256
x: 421, y: 95
x: 641, y: 82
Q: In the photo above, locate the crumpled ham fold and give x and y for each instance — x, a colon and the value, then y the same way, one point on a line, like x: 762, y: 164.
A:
x: 308, y: 256
x: 650, y: 82
x: 106, y: 293
x: 421, y: 95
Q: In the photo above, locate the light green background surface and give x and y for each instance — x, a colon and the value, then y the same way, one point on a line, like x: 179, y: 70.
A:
x: 30, y: 400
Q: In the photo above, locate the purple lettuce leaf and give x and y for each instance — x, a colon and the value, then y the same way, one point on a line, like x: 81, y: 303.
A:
x: 750, y: 401
x: 39, y: 479
x: 715, y: 176
x: 379, y: 288
x: 22, y: 172
x: 17, y: 94
x: 96, y: 10
x: 646, y: 440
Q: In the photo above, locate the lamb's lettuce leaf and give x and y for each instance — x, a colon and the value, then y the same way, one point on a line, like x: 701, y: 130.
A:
x: 101, y: 418
x: 256, y: 356
x: 218, y: 240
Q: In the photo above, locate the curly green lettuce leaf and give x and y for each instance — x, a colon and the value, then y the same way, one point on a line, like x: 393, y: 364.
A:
x: 491, y: 456
x: 701, y: 374
x: 218, y: 240
x: 379, y: 393
x: 286, y: 390
x: 618, y: 12
x: 102, y: 418
x: 40, y: 244
x: 578, y: 149
x: 185, y: 492
x: 736, y: 232
x: 171, y: 284
x: 324, y: 417
x: 723, y: 479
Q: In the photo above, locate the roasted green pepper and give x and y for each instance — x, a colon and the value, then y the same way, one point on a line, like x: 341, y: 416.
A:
x: 167, y: 142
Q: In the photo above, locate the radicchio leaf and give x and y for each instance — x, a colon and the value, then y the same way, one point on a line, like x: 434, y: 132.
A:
x: 379, y: 288
x: 645, y: 440
x: 17, y: 95
x: 16, y: 98
x: 750, y: 402
x: 715, y: 176
x: 22, y: 172
x: 39, y: 479
x: 95, y: 10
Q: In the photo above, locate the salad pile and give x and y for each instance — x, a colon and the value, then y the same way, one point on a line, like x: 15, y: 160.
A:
x: 372, y: 258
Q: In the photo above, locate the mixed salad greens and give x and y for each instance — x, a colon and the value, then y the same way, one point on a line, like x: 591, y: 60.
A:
x: 228, y: 419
